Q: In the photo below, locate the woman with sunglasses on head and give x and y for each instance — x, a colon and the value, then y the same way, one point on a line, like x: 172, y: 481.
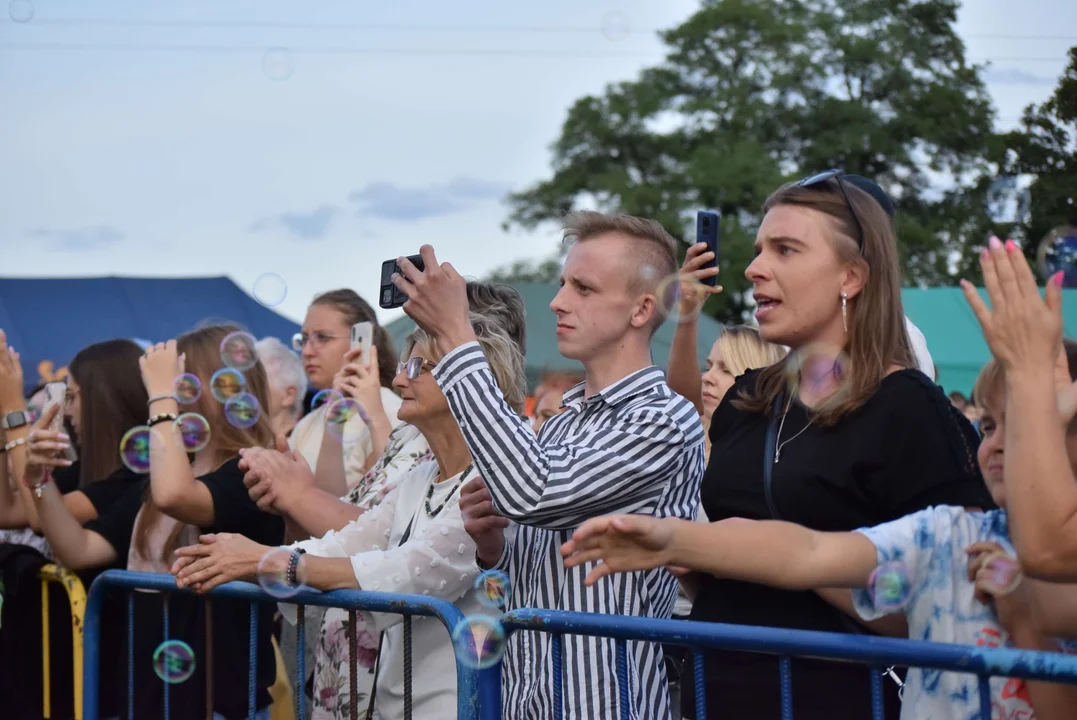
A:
x: 413, y: 541
x: 873, y: 441
x: 325, y: 346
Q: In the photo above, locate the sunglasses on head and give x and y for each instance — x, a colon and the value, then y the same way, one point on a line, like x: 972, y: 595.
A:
x: 827, y: 175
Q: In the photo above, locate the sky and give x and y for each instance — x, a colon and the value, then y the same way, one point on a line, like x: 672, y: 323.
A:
x: 303, y: 143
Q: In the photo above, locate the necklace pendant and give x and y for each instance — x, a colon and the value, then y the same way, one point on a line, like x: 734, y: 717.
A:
x: 777, y: 456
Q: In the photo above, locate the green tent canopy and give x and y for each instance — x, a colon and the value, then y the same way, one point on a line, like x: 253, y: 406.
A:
x: 542, y: 336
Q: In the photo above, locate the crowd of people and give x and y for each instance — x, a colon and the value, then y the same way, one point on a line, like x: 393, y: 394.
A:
x: 813, y: 455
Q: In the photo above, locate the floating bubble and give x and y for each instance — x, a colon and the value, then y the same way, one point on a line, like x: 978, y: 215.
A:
x: 173, y: 661
x: 1058, y: 253
x: 135, y: 449
x: 238, y: 351
x: 339, y: 414
x: 242, y: 410
x: 194, y: 429
x: 890, y: 586
x: 616, y: 26
x: 1009, y: 199
x: 818, y: 373
x: 325, y: 397
x: 1002, y: 573
x: 493, y: 587
x: 680, y: 299
x: 278, y: 64
x: 273, y: 573
x: 21, y: 11
x: 227, y: 383
x: 188, y: 388
x: 479, y: 641
x: 270, y: 289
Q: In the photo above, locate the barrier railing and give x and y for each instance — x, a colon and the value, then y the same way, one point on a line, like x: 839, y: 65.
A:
x: 76, y: 598
x: 876, y: 652
x: 406, y: 605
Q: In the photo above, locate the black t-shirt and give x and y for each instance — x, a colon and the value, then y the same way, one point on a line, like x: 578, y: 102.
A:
x: 234, y: 512
x: 103, y: 493
x: 904, y: 450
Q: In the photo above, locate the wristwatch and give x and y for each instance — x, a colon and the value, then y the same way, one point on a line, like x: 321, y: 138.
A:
x: 15, y: 420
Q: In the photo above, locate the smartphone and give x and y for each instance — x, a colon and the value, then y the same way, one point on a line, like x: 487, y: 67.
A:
x: 363, y: 337
x: 56, y: 394
x: 707, y: 227
x: 391, y: 296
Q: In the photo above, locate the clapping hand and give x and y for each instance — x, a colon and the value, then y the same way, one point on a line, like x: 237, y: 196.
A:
x: 274, y: 478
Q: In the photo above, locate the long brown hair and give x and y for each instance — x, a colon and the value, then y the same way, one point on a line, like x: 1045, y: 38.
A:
x: 112, y: 400
x: 877, y: 338
x: 203, y: 358
x: 356, y: 310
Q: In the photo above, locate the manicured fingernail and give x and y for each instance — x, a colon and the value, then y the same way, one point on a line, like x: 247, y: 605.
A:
x: 985, y: 254
x: 1058, y: 277
x: 1011, y: 246
x: 963, y: 282
x: 994, y: 243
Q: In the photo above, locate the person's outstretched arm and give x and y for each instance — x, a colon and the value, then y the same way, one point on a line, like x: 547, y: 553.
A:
x: 1024, y: 333
x: 682, y: 371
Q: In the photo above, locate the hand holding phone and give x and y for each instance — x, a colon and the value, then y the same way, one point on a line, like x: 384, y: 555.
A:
x: 56, y: 396
x: 390, y: 295
x: 363, y: 337
x: 707, y: 230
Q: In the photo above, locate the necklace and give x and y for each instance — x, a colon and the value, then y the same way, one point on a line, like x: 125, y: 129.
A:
x: 430, y: 493
x: 778, y: 450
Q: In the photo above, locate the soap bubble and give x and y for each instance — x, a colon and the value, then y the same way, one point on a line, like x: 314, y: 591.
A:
x: 278, y: 64
x: 227, y: 383
x: 479, y: 641
x: 339, y: 414
x: 273, y: 573
x: 1002, y: 573
x: 890, y: 586
x: 1009, y: 199
x: 493, y: 588
x: 325, y: 397
x: 238, y: 351
x: 1057, y: 252
x: 818, y: 374
x: 616, y: 26
x: 242, y: 410
x: 135, y: 449
x: 270, y: 289
x: 194, y: 429
x: 173, y: 661
x: 188, y: 388
x: 21, y: 11
x: 672, y: 289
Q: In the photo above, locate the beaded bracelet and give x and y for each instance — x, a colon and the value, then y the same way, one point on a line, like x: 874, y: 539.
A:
x: 293, y: 566
x: 163, y: 417
x: 40, y: 487
x: 14, y: 444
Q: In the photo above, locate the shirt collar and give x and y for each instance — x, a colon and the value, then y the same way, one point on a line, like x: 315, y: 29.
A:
x: 637, y: 383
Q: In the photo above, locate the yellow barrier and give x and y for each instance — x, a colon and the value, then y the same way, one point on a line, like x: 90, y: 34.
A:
x: 76, y: 596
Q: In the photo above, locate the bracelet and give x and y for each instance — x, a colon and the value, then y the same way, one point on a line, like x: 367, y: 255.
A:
x: 40, y: 488
x: 155, y: 398
x: 293, y: 566
x: 14, y: 444
x: 163, y: 417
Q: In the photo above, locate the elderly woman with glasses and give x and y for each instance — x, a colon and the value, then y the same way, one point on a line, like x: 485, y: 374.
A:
x: 341, y: 459
x: 413, y: 541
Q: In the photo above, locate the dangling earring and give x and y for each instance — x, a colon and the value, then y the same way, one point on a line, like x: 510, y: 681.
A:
x: 844, y: 313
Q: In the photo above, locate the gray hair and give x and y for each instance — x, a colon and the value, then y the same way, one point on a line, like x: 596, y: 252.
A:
x: 501, y: 351
x: 284, y: 369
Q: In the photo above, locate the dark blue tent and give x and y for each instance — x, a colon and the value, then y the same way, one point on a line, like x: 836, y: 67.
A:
x: 49, y: 320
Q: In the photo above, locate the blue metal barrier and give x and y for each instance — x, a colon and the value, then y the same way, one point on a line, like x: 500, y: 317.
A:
x: 878, y: 652
x: 407, y: 605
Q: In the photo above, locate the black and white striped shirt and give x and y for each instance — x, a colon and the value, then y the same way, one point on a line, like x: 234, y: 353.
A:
x: 634, y: 447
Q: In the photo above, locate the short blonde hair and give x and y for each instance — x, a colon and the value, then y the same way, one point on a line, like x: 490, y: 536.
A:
x: 501, y: 351
x: 742, y: 349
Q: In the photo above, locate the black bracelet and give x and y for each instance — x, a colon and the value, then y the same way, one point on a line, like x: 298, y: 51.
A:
x: 163, y: 417
x: 293, y: 566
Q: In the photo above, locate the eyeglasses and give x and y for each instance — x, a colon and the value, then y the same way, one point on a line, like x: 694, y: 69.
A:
x: 823, y: 177
x: 318, y: 338
x: 413, y: 367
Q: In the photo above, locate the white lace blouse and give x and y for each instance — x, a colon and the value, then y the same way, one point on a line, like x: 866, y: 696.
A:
x: 438, y: 559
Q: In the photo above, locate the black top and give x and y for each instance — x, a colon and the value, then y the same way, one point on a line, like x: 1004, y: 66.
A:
x: 234, y: 512
x: 904, y: 450
x: 103, y: 493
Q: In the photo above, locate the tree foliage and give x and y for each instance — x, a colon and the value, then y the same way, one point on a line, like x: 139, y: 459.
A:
x: 753, y: 93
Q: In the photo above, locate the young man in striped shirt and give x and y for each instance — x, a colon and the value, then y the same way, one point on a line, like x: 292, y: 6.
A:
x: 625, y: 444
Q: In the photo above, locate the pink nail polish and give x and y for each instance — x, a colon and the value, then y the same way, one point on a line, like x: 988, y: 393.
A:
x: 994, y: 243
x: 1011, y: 246
x: 1058, y: 277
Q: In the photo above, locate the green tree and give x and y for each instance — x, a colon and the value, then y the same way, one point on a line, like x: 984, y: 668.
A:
x: 753, y: 93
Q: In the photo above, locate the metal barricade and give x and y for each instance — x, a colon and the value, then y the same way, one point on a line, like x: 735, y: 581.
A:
x: 876, y: 652
x: 406, y: 605
x: 76, y: 597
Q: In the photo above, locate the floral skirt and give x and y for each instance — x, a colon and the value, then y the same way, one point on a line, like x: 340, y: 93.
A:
x: 332, y: 689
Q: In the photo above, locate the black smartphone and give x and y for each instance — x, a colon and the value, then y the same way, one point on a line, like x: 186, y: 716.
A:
x: 391, y: 296
x: 707, y: 227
